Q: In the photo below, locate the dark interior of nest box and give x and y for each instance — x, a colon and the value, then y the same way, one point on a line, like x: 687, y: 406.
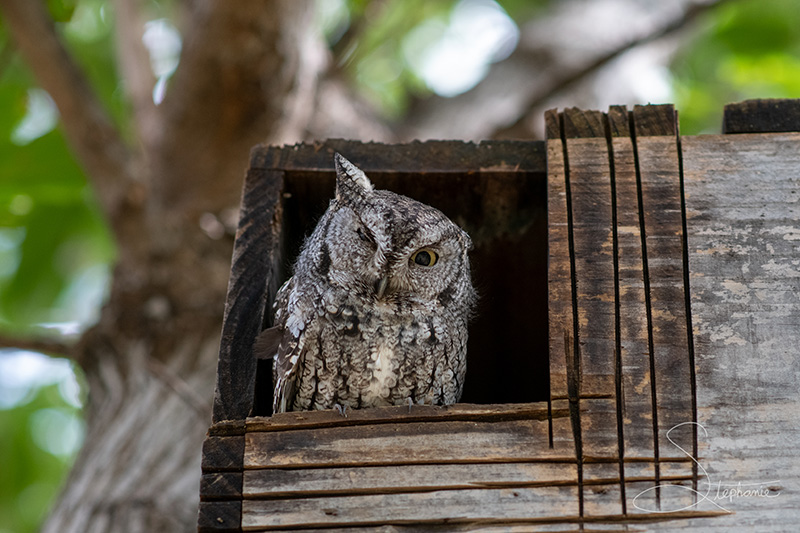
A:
x: 505, y: 213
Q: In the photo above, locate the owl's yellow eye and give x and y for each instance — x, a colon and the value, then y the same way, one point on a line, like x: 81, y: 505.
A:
x: 425, y: 257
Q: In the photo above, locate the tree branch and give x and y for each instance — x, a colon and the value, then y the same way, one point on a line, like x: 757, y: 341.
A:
x: 199, y: 404
x: 135, y: 69
x: 569, y: 79
x: 516, y: 87
x: 92, y: 135
x: 224, y: 99
x: 6, y: 55
x: 46, y: 346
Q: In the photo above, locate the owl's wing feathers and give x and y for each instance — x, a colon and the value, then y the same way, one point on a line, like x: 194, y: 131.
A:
x: 293, y: 319
x: 286, y: 364
x: 267, y: 342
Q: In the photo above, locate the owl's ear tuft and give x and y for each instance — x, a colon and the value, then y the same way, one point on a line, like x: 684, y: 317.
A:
x: 349, y: 178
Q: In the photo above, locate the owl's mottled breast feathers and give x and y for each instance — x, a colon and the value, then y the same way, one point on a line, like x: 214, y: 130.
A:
x: 376, y: 312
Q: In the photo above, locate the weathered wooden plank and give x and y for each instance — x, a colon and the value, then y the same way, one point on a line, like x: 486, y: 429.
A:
x: 251, y: 287
x: 221, y: 486
x: 227, y: 428
x: 599, y: 428
x: 541, y: 509
x: 602, y: 499
x: 596, y: 478
x: 762, y: 116
x: 600, y: 443
x: 585, y: 124
x: 443, y: 442
x: 743, y: 208
x: 591, y: 204
x: 562, y: 317
x: 674, y: 499
x: 490, y: 526
x: 637, y: 401
x: 403, y: 414
x: 219, y: 517
x: 593, y: 234
x: 561, y: 431
x: 660, y: 189
x: 618, y: 122
x: 438, y: 507
x: 559, y: 275
x: 275, y: 483
x: 485, y: 526
x: 223, y: 454
x: 415, y: 157
x: 655, y: 121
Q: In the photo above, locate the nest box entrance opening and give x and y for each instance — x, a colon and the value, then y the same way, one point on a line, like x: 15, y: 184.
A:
x: 503, y: 207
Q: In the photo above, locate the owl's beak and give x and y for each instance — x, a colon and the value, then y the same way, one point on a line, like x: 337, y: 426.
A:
x: 380, y: 286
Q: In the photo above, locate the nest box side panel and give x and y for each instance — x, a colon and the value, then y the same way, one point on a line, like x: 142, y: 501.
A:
x: 256, y: 259
x: 253, y: 282
x: 743, y: 207
x: 620, y: 347
x: 632, y: 344
x: 762, y: 116
x: 666, y: 283
x: 428, y: 466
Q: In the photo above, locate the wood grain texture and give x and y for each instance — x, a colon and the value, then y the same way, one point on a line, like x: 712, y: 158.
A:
x: 742, y: 200
x: 762, y: 116
x: 637, y: 401
x: 564, y: 383
x: 421, y: 443
x: 493, y: 526
x: 586, y: 124
x: 559, y: 274
x: 590, y: 190
x: 281, y: 483
x: 404, y: 415
x: 221, y: 486
x: 251, y: 288
x: 591, y: 208
x: 617, y: 194
x: 448, y: 511
x: 219, y: 517
x: 655, y: 121
x: 453, y: 157
x: 430, y: 508
x: 660, y: 189
x: 223, y: 454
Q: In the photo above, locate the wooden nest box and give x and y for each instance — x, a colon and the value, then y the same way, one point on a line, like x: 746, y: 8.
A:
x: 634, y: 360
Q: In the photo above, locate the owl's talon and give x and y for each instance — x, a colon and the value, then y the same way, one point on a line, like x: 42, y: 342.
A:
x: 341, y: 409
x: 410, y: 403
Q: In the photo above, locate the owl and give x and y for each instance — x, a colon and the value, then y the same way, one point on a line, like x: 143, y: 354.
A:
x: 376, y: 312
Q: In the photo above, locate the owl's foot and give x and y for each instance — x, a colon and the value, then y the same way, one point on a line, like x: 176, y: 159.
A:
x: 341, y: 409
x: 410, y: 403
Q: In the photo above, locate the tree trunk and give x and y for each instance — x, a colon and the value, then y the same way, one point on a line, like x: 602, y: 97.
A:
x: 248, y: 74
x: 140, y: 465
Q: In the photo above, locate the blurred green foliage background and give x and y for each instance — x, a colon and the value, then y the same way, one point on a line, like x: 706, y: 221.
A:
x: 56, y: 252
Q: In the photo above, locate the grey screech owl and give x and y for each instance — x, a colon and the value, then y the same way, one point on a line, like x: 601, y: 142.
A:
x: 376, y: 312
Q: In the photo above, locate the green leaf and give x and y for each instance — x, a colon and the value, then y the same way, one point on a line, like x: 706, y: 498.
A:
x: 748, y: 49
x: 31, y: 476
x: 61, y: 10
